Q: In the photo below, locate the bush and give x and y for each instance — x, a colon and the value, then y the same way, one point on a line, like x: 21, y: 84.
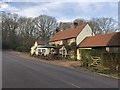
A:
x: 73, y: 48
x: 23, y: 49
x: 97, y: 52
x: 111, y: 60
x: 85, y: 57
x: 71, y: 59
x: 67, y: 47
x: 104, y: 71
x: 73, y: 45
x: 20, y: 49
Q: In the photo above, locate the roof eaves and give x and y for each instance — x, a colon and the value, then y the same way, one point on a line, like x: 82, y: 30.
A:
x: 61, y: 39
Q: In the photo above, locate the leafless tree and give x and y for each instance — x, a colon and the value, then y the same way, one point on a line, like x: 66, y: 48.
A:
x: 25, y: 27
x: 64, y: 25
x: 9, y: 25
x: 80, y: 21
x: 44, y: 26
x: 25, y: 32
x: 103, y: 25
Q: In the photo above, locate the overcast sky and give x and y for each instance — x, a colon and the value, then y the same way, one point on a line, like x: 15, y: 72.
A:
x: 63, y: 11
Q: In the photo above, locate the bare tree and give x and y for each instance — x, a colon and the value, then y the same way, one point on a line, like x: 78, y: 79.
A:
x: 25, y: 27
x: 95, y: 26
x: 80, y: 21
x: 25, y: 33
x: 20, y: 32
x: 9, y: 25
x: 64, y: 25
x: 44, y: 26
x: 103, y: 25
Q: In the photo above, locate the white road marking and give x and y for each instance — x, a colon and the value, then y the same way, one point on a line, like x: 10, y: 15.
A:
x: 71, y: 84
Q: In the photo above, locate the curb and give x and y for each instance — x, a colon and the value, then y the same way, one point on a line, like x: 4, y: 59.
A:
x: 108, y: 76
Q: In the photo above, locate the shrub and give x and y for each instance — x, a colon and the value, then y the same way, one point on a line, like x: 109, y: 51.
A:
x: 111, y: 60
x: 97, y: 52
x: 67, y: 47
x: 23, y: 49
x: 73, y: 48
x: 71, y: 59
x: 73, y: 45
x: 85, y: 57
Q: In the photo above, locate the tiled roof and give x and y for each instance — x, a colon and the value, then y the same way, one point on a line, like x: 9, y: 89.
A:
x: 68, y: 33
x: 112, y: 39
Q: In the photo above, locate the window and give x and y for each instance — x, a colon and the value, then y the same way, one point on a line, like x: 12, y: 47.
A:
x: 43, y: 50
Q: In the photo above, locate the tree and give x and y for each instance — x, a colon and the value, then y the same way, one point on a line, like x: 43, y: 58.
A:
x: 25, y: 33
x: 45, y: 26
x: 103, y: 25
x: 73, y: 47
x: 25, y: 27
x: 67, y: 48
x: 21, y: 32
x: 64, y: 25
x: 9, y: 26
x: 79, y: 21
x: 95, y: 26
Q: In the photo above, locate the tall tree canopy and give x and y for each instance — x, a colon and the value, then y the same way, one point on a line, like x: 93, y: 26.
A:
x: 45, y: 26
x: 80, y: 21
x: 21, y: 32
x: 9, y: 25
x: 103, y: 25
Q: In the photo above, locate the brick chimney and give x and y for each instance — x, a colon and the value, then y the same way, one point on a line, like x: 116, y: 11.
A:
x: 57, y: 30
x: 75, y: 24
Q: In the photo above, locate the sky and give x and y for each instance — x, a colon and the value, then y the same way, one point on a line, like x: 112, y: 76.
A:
x: 62, y: 10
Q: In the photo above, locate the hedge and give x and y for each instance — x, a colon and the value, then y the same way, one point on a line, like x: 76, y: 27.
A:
x: 109, y: 60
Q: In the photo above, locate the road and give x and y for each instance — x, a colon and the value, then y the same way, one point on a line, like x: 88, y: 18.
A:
x: 19, y: 72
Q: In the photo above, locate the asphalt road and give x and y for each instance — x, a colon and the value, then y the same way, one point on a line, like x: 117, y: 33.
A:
x: 24, y: 73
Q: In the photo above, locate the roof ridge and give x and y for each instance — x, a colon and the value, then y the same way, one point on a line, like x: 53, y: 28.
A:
x: 73, y: 27
x: 104, y: 34
x: 68, y: 33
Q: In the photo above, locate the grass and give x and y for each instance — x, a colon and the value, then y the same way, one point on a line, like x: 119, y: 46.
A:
x: 105, y: 71
x: 100, y: 70
x: 109, y: 72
